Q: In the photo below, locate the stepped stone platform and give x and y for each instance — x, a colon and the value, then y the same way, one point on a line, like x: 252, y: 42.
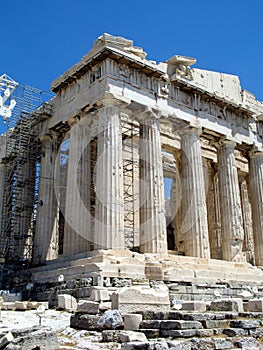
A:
x: 127, y: 264
x: 188, y: 278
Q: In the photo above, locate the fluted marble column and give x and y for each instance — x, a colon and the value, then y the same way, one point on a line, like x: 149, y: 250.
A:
x: 256, y: 191
x: 152, y: 206
x: 230, y: 203
x: 248, y: 245
x: 46, y: 237
x: 109, y: 213
x: 194, y: 211
x: 77, y: 212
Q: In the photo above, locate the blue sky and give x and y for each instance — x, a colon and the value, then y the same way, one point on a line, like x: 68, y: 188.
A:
x: 41, y: 39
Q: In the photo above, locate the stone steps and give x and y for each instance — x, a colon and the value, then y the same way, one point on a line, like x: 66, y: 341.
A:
x: 208, y: 330
x: 183, y: 330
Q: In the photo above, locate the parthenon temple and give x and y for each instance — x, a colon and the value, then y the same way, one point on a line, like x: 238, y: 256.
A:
x: 135, y: 169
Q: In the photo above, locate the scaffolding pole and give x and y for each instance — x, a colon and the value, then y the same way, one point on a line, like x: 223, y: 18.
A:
x: 21, y: 169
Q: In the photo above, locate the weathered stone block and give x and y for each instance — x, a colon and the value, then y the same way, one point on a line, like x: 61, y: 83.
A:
x: 184, y: 333
x: 85, y: 321
x: 122, y: 336
x: 154, y: 272
x: 136, y: 346
x: 147, y: 324
x: 255, y: 305
x: 151, y: 333
x: 215, y: 323
x: 8, y: 305
x: 199, y: 306
x: 99, y: 294
x: 222, y: 344
x: 21, y: 305
x: 32, y: 305
x: 235, y: 304
x: 204, y: 332
x: 248, y: 343
x: 130, y: 336
x: 256, y: 333
x: 159, y: 345
x: 172, y: 324
x: 44, y: 338
x: 88, y: 307
x: 202, y: 344
x: 233, y: 332
x: 67, y: 302
x: 110, y: 335
x: 218, y: 331
x: 245, y: 324
x: 6, y: 339
x: 245, y: 295
x: 179, y: 344
x: 136, y: 299
x: 132, y: 321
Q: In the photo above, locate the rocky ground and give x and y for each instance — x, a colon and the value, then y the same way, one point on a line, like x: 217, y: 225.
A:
x: 60, y: 322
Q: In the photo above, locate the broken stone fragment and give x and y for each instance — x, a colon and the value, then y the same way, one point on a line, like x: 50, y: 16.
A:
x: 6, y: 339
x: 44, y: 339
x: 111, y: 319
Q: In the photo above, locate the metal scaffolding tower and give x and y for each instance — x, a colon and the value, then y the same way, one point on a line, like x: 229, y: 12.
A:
x: 20, y: 174
x: 130, y: 141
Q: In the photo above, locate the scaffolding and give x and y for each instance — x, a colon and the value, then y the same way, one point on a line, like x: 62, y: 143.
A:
x: 20, y: 175
x: 130, y: 140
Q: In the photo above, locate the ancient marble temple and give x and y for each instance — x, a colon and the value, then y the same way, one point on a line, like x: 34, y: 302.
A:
x: 121, y: 127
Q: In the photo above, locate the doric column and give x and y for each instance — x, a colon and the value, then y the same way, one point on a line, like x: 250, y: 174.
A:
x: 248, y: 245
x: 256, y: 195
x: 152, y: 206
x: 109, y: 213
x: 230, y: 203
x: 46, y: 237
x: 77, y: 209
x: 194, y: 213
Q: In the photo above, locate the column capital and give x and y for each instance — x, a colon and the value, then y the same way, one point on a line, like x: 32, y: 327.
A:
x: 108, y: 100
x: 73, y: 120
x: 190, y: 130
x: 148, y: 114
x: 109, y: 109
x: 224, y: 142
x: 50, y: 136
x: 255, y: 152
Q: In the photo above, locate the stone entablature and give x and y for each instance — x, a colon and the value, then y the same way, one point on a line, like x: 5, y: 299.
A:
x: 227, y: 112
